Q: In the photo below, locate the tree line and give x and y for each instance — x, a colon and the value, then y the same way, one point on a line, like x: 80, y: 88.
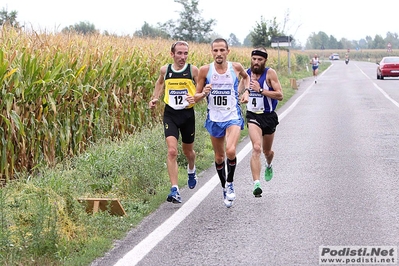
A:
x: 191, y: 26
x: 322, y: 41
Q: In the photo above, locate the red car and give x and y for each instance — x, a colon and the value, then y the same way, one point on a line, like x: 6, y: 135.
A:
x: 388, y: 67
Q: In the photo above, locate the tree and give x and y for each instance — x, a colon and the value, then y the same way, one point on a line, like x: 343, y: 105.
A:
x: 392, y: 38
x: 345, y: 44
x: 318, y: 41
x: 233, y: 40
x: 332, y: 43
x: 151, y: 32
x: 248, y: 40
x: 191, y: 26
x: 369, y: 42
x: 82, y: 27
x: 9, y: 18
x: 286, y: 27
x: 362, y: 44
x: 263, y: 34
x: 379, y: 42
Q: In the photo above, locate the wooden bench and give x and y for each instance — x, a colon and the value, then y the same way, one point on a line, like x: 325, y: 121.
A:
x: 93, y: 205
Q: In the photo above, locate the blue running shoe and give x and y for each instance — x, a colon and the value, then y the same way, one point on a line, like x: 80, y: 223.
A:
x: 230, y: 194
x: 192, y: 180
x: 227, y: 203
x: 174, y: 196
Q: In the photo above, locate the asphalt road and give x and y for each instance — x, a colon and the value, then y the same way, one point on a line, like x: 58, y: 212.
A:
x: 335, y: 183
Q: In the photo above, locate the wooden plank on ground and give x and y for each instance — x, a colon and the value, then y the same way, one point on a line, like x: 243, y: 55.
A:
x: 293, y: 84
x: 94, y: 205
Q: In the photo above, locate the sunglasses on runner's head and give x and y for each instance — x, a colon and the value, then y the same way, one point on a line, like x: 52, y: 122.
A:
x: 178, y: 42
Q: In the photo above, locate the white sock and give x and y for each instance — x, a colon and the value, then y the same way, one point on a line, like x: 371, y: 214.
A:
x: 256, y: 181
x: 190, y: 171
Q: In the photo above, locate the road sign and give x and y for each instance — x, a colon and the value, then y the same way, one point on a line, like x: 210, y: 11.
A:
x: 281, y: 41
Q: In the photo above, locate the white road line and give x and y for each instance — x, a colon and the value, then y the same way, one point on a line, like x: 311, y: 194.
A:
x: 136, y: 254
x: 381, y: 90
x: 386, y: 95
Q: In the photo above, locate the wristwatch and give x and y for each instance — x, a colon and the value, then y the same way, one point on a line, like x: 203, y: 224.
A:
x: 260, y: 90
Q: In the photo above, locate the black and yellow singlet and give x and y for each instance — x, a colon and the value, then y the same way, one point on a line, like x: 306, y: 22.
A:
x: 177, y: 85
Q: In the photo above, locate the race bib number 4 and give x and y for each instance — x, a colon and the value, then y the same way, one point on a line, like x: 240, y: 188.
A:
x: 255, y: 102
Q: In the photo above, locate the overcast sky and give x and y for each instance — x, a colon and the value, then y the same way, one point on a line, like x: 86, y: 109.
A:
x: 348, y: 19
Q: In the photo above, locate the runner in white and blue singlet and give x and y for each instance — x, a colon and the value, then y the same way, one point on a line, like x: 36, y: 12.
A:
x: 315, y: 66
x: 223, y: 107
x: 218, y: 81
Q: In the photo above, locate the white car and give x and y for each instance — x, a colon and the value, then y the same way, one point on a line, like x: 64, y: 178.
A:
x: 334, y: 57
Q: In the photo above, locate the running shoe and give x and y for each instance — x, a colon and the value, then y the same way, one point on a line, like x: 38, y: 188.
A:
x: 269, y: 173
x: 174, y: 196
x: 230, y: 194
x: 192, y: 180
x: 257, y: 190
x: 227, y: 203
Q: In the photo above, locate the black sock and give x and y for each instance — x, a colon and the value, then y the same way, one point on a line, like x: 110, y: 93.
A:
x: 221, y: 172
x: 231, y: 167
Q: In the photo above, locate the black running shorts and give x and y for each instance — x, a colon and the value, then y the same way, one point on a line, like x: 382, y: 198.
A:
x: 179, y: 120
x: 266, y: 121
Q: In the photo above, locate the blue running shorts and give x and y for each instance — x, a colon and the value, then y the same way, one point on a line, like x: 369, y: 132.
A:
x: 218, y: 129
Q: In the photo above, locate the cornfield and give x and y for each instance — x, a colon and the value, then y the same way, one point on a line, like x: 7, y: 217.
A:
x: 61, y: 93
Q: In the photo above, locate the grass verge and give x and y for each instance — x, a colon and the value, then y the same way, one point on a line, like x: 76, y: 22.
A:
x: 43, y: 223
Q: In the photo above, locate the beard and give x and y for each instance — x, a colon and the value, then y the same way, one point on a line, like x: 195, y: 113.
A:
x: 258, y: 69
x: 219, y: 60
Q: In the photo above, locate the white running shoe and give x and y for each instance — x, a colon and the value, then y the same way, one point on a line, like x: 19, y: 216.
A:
x: 230, y: 194
x: 227, y: 203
